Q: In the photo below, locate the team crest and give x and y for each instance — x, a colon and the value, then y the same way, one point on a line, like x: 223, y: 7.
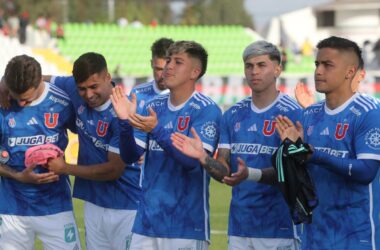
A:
x: 101, y: 129
x: 12, y: 122
x: 372, y: 138
x: 81, y: 109
x: 208, y: 130
x: 237, y: 127
x: 340, y: 132
x: 183, y: 123
x: 51, y: 120
x: 269, y: 127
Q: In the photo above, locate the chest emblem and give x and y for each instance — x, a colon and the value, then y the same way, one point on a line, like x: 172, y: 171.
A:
x: 341, y: 130
x: 269, y: 127
x: 183, y: 123
x: 51, y: 120
x: 101, y: 129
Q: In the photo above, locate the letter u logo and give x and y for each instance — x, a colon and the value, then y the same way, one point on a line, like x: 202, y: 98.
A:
x: 182, y: 125
x: 269, y: 131
x: 101, y: 129
x: 51, y: 120
x: 339, y: 132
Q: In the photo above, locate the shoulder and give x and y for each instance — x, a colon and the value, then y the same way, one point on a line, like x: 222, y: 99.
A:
x: 286, y: 103
x: 57, y: 95
x: 314, y: 108
x: 239, y: 106
x: 202, y: 102
x: 366, y: 103
x: 142, y: 88
x: 158, y: 100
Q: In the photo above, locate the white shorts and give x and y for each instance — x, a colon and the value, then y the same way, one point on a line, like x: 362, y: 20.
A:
x: 107, y: 228
x: 245, y: 243
x: 141, y: 242
x: 57, y: 231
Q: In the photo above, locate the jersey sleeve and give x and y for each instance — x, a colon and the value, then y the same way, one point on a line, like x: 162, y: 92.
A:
x: 115, y: 135
x: 225, y: 137
x: 66, y: 83
x: 367, y: 138
x: 207, y: 125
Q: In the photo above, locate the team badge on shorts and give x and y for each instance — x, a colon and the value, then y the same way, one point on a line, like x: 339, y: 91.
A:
x: 70, y: 233
x: 372, y: 138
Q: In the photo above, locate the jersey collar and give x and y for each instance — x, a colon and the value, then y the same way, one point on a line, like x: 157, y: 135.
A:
x: 104, y: 106
x: 42, y: 96
x: 257, y: 110
x: 175, y: 108
x: 341, y: 107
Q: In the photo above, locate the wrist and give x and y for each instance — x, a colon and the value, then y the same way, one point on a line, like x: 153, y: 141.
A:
x: 203, y: 157
x: 254, y: 174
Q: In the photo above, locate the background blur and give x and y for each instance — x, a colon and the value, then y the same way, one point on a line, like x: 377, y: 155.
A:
x: 56, y: 32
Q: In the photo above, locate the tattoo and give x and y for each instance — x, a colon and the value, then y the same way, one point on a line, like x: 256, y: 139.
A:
x: 217, y: 169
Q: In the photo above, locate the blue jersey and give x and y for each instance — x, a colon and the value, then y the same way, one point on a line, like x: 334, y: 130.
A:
x: 98, y: 133
x: 256, y: 210
x: 44, y: 121
x: 175, y: 196
x: 348, y: 211
x: 144, y: 93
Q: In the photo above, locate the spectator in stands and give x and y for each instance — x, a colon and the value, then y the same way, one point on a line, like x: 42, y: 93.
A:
x: 24, y: 22
x: 14, y: 24
x: 307, y: 48
x: 60, y: 32
x: 2, y: 21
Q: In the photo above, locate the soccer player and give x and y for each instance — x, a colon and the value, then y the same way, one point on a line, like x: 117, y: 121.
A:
x: 174, y: 209
x: 34, y: 203
x: 147, y: 91
x: 305, y: 98
x: 344, y: 132
x: 110, y: 191
x: 258, y: 213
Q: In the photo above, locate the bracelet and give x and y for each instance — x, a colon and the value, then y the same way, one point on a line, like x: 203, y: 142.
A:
x: 254, y: 174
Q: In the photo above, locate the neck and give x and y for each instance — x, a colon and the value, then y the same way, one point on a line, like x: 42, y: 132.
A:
x: 264, y: 99
x: 181, y: 95
x: 336, y: 98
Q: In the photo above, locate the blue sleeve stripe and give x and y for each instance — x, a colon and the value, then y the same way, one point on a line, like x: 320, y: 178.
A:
x: 287, y: 104
x: 362, y: 105
x: 65, y: 96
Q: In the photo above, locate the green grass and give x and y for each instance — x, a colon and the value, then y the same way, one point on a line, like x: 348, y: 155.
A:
x: 220, y: 196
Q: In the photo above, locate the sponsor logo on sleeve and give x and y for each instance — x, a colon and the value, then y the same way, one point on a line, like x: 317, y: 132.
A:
x: 209, y: 130
x: 372, y: 138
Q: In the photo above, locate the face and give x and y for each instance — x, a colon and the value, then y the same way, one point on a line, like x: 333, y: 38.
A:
x: 261, y: 73
x: 180, y: 69
x: 26, y: 98
x: 333, y: 70
x: 97, y: 89
x: 158, y: 65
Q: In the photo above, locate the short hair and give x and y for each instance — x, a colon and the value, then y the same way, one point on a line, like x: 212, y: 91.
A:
x: 88, y: 64
x: 160, y: 46
x: 22, y: 73
x: 261, y: 48
x: 193, y: 49
x: 342, y: 44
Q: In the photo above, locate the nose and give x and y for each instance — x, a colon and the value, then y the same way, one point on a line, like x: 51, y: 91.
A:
x: 89, y: 93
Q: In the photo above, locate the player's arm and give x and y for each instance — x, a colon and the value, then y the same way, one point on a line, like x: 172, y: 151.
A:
x: 28, y: 175
x: 108, y: 171
x: 193, y: 147
x: 47, y: 78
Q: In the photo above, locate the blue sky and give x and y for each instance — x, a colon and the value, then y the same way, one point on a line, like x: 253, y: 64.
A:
x: 263, y: 10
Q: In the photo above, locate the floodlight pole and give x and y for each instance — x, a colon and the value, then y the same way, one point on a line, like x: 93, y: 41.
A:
x: 111, y: 10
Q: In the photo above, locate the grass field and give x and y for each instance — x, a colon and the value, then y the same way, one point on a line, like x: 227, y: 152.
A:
x: 220, y: 196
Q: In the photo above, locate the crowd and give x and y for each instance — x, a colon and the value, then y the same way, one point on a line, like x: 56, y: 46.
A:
x: 145, y: 160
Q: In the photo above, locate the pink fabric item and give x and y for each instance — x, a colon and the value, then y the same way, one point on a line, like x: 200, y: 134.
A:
x: 39, y: 155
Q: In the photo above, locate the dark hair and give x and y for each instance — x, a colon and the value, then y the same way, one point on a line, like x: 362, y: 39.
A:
x: 22, y: 73
x: 343, y: 44
x: 193, y: 49
x: 88, y: 64
x: 160, y: 46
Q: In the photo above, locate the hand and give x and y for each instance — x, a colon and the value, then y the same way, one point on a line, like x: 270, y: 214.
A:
x: 192, y: 147
x: 239, y: 176
x: 286, y: 129
x: 144, y: 123
x: 123, y: 107
x: 303, y: 95
x: 57, y: 165
x: 4, y: 95
x: 29, y: 176
x: 141, y: 160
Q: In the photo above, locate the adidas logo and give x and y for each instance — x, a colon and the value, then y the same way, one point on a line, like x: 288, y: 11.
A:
x: 253, y: 128
x: 325, y: 131
x: 32, y: 121
x: 169, y: 125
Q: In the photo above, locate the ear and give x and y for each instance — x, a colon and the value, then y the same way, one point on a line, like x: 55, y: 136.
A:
x: 195, y: 72
x: 277, y: 70
x: 108, y: 77
x: 350, y: 72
